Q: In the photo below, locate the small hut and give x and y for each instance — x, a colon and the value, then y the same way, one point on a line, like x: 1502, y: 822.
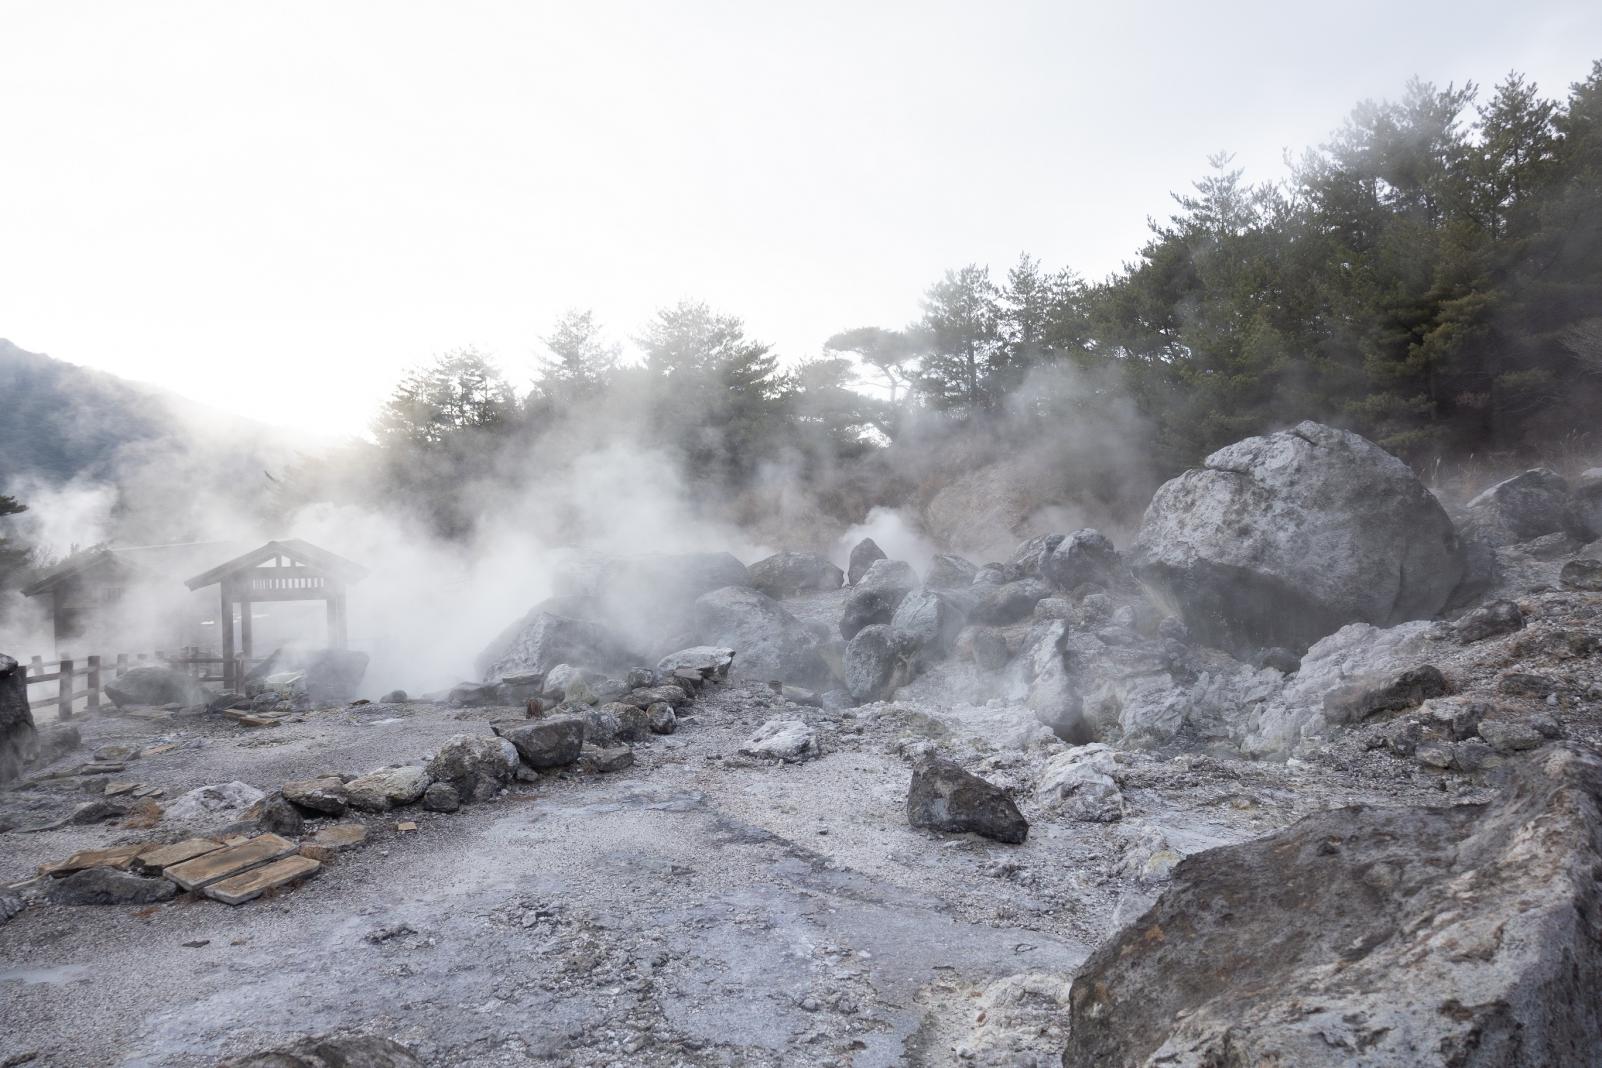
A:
x: 287, y: 570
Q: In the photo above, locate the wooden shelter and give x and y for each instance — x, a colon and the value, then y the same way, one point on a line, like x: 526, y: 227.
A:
x: 287, y: 570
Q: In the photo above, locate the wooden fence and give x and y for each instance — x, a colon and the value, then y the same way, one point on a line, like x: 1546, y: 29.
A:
x: 96, y: 671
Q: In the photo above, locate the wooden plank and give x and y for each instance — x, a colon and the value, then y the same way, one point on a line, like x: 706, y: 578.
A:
x: 157, y: 860
x: 115, y: 857
x: 193, y: 874
x: 252, y: 884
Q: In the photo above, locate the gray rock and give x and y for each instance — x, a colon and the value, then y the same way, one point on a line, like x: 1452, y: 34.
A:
x: 539, y: 642
x: 1280, y: 540
x: 990, y: 651
x: 661, y: 718
x: 441, y: 797
x: 394, y: 697
x: 1435, y: 753
x: 928, y: 621
x: 352, y: 1051
x: 107, y: 886
x: 943, y: 797
x: 1525, y: 684
x: 874, y: 664
x: 771, y: 644
x: 633, y: 722
x: 639, y: 678
x: 711, y: 662
x: 1028, y: 560
x: 1472, y: 754
x: 325, y: 795
x: 1458, y: 716
x: 863, y: 556
x: 786, y: 574
x: 17, y: 735
x: 387, y: 788
x: 474, y: 765
x: 1510, y: 736
x: 1488, y: 621
x: 1083, y: 783
x: 1356, y: 702
x: 606, y: 758
x: 156, y: 684
x: 275, y: 815
x: 949, y: 572
x: 1528, y: 505
x: 11, y: 906
x: 876, y: 595
x: 551, y: 742
x: 1581, y: 575
x: 1009, y: 602
x: 219, y: 803
x: 654, y: 695
x: 475, y: 695
x: 1336, y: 947
x: 1085, y: 557
x: 789, y: 740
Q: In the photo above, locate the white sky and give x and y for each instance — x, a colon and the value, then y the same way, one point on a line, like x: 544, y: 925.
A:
x: 336, y: 190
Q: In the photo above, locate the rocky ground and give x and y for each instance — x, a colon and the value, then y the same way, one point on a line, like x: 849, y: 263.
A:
x: 700, y: 907
x: 1377, y: 848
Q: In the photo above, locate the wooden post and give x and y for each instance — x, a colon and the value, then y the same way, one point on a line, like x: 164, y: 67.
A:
x: 64, y: 688
x: 246, y: 646
x: 94, y: 683
x: 122, y: 664
x: 336, y: 620
x: 225, y: 621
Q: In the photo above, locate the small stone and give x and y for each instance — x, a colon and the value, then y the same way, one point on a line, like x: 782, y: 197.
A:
x: 607, y: 758
x: 662, y: 719
x: 441, y: 797
x: 1434, y: 754
x: 406, y: 825
x: 1472, y: 755
x: 1508, y: 736
x: 789, y: 740
x: 1498, y: 617
x: 394, y: 697
x: 340, y: 836
x: 1525, y: 684
x: 325, y: 795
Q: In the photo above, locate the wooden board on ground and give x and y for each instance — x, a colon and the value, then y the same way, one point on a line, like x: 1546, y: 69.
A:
x: 252, y: 884
x: 212, y: 867
x: 158, y: 860
x: 115, y: 857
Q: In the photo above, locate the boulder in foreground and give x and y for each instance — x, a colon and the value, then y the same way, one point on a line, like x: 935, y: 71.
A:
x: 943, y: 797
x: 1465, y: 936
x: 1280, y: 540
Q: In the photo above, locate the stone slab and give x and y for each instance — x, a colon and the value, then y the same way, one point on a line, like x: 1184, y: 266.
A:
x: 224, y: 863
x: 245, y: 886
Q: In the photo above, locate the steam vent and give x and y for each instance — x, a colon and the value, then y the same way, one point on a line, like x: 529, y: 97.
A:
x: 541, y: 541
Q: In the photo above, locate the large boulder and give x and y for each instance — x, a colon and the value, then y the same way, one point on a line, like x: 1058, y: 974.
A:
x: 16, y: 719
x: 1529, y: 505
x: 929, y: 620
x: 769, y: 643
x: 156, y: 684
x: 948, y: 571
x: 1280, y: 540
x: 864, y: 554
x: 874, y: 664
x: 1464, y: 935
x: 877, y: 595
x: 539, y: 642
x: 786, y: 574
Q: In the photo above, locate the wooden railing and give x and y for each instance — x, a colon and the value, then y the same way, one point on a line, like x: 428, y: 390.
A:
x: 96, y: 672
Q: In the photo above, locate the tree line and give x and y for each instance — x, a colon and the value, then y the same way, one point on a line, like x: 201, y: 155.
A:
x: 1431, y: 277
